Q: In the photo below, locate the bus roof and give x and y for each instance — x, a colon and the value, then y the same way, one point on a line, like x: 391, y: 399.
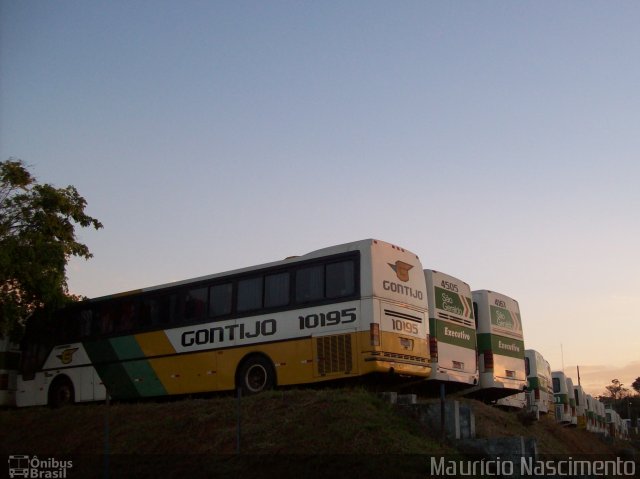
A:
x: 328, y: 251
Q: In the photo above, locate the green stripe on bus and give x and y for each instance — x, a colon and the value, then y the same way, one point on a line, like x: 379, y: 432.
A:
x: 117, y: 380
x: 144, y: 378
x: 141, y: 374
x: 126, y: 347
x: 100, y: 352
x: 104, y: 355
x: 456, y: 335
x: 534, y: 382
x: 500, y: 345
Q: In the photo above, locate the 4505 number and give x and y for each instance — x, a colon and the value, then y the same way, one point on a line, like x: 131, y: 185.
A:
x: 450, y: 286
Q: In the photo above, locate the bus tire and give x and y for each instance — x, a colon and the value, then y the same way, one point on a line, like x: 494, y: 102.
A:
x: 256, y: 374
x: 61, y: 392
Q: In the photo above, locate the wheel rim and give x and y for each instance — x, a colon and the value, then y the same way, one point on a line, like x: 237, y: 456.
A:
x: 256, y: 378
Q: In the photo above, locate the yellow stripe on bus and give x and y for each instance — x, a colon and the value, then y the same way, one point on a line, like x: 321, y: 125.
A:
x: 188, y: 373
x: 154, y: 344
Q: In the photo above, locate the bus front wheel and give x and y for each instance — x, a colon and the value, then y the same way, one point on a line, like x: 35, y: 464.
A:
x: 61, y: 392
x: 255, y: 375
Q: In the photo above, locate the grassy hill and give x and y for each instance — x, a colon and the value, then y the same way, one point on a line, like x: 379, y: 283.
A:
x: 348, y: 431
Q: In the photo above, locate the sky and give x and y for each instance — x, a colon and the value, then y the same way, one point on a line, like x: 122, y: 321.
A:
x: 498, y: 140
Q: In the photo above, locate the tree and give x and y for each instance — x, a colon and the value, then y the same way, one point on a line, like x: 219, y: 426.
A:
x: 37, y: 239
x: 616, y: 390
x: 636, y: 385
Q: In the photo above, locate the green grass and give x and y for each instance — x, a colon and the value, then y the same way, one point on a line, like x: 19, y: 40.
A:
x: 341, y: 430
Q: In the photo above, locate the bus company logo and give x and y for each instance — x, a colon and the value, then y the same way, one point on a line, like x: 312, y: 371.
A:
x: 402, y: 270
x: 66, y: 356
x: 502, y: 320
x: 33, y: 467
x: 448, y: 304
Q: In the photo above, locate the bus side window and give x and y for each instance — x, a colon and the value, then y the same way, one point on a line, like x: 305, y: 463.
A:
x: 220, y: 297
x: 146, y: 312
x: 168, y: 309
x: 86, y: 323
x: 195, y: 304
x: 340, y: 278
x: 127, y: 316
x: 104, y: 319
x: 249, y: 294
x: 276, y: 290
x: 309, y: 284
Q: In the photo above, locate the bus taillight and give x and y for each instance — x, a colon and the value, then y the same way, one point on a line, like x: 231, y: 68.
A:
x: 488, y: 360
x: 433, y: 348
x: 537, y: 394
x: 375, y: 334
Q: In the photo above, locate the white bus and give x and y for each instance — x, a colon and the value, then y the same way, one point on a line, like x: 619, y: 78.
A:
x: 613, y: 422
x: 572, y: 403
x: 561, y: 397
x: 500, y: 347
x: 539, y: 390
x: 341, y: 312
x: 452, y: 339
x: 601, y: 417
x: 581, y: 406
x: 591, y: 414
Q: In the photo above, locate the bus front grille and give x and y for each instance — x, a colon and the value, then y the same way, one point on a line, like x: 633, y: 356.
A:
x: 334, y: 354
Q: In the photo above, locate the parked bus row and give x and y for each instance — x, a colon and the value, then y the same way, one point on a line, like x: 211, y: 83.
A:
x: 341, y: 312
x: 352, y: 310
x: 574, y: 407
x: 616, y: 426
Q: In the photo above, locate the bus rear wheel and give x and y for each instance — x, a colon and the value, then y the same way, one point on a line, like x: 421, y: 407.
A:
x: 255, y: 375
x: 61, y: 392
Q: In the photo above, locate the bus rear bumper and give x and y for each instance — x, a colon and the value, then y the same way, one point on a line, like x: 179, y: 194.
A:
x: 397, y: 363
x: 452, y: 376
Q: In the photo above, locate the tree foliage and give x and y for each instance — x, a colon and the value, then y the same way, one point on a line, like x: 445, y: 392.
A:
x: 37, y: 239
x: 617, y: 390
x: 636, y: 385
